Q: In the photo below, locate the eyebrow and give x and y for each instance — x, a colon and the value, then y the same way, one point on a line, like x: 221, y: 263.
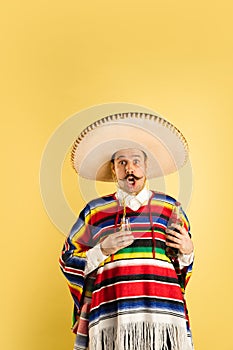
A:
x: 133, y: 156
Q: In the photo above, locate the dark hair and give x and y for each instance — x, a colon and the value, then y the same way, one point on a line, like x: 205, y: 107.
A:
x: 114, y: 154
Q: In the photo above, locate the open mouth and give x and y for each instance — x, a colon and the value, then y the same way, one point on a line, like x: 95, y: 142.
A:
x: 131, y: 180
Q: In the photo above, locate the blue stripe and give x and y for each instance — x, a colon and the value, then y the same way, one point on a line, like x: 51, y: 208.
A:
x: 139, y: 304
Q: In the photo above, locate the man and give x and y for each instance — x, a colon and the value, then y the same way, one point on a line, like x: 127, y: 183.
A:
x: 127, y: 287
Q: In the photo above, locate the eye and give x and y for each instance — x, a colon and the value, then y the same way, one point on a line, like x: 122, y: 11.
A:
x: 136, y: 161
x: 122, y: 162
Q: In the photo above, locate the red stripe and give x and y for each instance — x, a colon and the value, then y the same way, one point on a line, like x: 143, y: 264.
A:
x: 147, y: 234
x: 82, y: 326
x: 75, y: 293
x: 99, y: 215
x: 134, y: 270
x: 137, y: 289
x: 160, y: 209
x: 70, y: 269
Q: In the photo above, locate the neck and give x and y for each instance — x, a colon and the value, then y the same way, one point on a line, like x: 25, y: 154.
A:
x: 132, y: 193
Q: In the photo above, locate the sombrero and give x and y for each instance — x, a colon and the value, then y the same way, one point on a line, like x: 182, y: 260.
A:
x: 164, y: 144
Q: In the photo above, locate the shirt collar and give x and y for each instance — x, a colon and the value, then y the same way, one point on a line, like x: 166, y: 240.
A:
x: 134, y: 202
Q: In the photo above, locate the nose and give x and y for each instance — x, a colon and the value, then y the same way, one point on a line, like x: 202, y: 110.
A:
x: 129, y: 168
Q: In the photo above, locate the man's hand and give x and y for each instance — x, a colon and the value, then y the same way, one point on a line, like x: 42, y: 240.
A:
x: 180, y: 240
x: 116, y: 241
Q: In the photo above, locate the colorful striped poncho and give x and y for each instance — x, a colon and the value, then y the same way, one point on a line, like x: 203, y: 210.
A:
x: 134, y: 300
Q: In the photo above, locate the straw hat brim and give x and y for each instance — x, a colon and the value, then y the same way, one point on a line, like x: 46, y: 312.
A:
x: 164, y: 144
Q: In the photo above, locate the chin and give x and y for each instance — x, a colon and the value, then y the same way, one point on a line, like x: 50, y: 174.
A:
x: 133, y: 190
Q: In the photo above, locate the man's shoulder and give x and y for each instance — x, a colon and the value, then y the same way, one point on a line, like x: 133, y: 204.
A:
x: 161, y: 196
x: 102, y: 201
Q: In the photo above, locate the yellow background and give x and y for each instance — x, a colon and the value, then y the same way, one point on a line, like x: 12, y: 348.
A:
x: 59, y: 57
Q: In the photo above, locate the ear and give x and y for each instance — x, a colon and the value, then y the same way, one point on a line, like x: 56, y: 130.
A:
x: 113, y: 172
x: 113, y: 168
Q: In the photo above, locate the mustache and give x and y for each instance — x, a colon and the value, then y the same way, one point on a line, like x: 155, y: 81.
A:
x: 132, y: 176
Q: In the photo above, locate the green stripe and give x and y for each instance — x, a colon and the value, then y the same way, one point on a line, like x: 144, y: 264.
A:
x: 140, y: 250
x: 157, y: 229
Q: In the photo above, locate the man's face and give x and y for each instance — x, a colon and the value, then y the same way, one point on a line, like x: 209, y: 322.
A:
x: 129, y: 169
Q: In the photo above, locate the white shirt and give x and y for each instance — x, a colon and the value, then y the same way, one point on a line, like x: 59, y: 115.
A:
x: 95, y: 255
x: 131, y: 201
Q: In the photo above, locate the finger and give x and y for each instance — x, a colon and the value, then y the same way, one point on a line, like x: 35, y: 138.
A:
x: 126, y: 238
x: 173, y: 245
x: 173, y: 233
x: 173, y: 239
x: 181, y: 229
x: 126, y: 243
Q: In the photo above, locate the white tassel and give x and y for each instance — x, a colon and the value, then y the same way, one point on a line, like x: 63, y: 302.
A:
x: 141, y: 336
